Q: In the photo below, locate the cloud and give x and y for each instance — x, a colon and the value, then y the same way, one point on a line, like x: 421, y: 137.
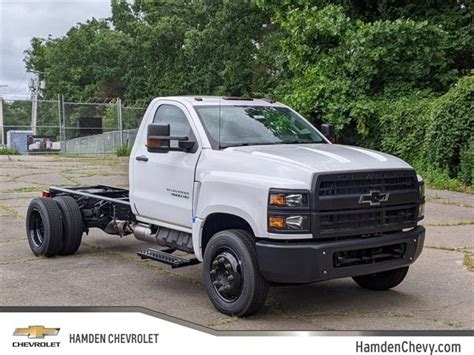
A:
x: 20, y: 21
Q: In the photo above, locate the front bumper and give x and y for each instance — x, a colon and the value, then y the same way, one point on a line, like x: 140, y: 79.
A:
x: 306, y: 262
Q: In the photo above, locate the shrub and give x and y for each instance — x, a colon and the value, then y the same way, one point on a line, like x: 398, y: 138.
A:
x: 9, y: 151
x: 123, y: 151
x: 438, y: 179
x: 402, y: 126
x: 450, y: 127
x: 466, y: 165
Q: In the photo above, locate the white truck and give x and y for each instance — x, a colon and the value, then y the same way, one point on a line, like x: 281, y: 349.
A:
x: 254, y: 192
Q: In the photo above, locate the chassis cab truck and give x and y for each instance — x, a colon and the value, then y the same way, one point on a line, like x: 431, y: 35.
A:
x: 255, y: 194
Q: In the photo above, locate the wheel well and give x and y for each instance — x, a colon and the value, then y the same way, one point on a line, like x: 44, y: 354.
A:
x: 217, y: 222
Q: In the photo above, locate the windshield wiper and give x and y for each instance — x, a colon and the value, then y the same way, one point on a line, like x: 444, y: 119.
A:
x: 228, y: 145
x: 223, y: 146
x: 296, y: 141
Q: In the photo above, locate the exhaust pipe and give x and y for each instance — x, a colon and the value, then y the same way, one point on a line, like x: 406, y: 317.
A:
x: 143, y: 232
x: 120, y: 228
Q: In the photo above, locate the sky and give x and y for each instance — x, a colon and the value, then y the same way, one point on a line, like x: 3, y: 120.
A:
x: 22, y: 20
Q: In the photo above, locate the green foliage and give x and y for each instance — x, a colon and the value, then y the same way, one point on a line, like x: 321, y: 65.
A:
x: 438, y: 179
x: 402, y: 125
x: 390, y: 75
x: 466, y: 165
x: 340, y: 65
x: 9, y: 151
x: 386, y: 81
x: 451, y: 127
x: 159, y: 48
x: 433, y: 133
x: 123, y: 151
x: 87, y: 62
x: 16, y: 116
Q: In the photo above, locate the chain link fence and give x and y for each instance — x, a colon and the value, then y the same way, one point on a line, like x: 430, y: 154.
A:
x: 72, y: 127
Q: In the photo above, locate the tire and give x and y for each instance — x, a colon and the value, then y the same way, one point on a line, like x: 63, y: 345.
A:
x: 231, y: 253
x: 44, y: 227
x: 72, y: 224
x: 382, y: 281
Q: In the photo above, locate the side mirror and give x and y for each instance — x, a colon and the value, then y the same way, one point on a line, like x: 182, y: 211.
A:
x: 158, y: 139
x: 329, y: 132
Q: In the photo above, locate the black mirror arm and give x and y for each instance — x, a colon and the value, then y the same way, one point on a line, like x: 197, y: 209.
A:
x: 169, y: 138
x: 186, y: 144
x: 329, y: 132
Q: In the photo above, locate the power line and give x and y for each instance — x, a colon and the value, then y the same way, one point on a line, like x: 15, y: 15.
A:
x: 18, y: 88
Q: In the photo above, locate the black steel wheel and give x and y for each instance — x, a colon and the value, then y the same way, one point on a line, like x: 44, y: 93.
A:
x: 44, y: 227
x: 231, y: 275
x: 226, y: 274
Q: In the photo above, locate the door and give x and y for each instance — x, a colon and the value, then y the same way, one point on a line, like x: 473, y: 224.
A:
x: 163, y: 182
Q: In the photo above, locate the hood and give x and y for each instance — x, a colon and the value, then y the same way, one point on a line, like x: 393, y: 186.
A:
x: 325, y: 157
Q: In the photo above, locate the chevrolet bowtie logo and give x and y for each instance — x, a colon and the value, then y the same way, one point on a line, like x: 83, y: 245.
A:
x: 36, y: 331
x: 374, y: 198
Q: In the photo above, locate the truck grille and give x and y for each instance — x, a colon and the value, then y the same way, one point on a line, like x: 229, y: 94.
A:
x: 340, y: 212
x: 359, y: 183
x: 368, y: 218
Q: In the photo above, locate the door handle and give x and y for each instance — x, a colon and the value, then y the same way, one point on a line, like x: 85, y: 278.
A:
x: 141, y: 158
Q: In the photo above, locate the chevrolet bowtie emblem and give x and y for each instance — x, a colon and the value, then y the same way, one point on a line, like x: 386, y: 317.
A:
x: 374, y: 198
x: 36, y: 331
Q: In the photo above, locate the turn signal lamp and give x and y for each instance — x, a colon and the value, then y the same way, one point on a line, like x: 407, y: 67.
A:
x: 276, y: 222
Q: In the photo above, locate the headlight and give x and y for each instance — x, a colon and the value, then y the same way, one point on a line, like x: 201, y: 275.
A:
x: 288, y: 199
x: 278, y: 223
x: 288, y: 211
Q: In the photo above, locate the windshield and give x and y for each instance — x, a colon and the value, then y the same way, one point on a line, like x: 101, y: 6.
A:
x: 230, y: 126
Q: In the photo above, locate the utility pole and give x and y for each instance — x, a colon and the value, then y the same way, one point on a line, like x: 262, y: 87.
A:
x: 119, y: 118
x: 2, y: 130
x: 36, y: 86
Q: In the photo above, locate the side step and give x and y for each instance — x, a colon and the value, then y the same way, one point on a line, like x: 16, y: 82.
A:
x: 165, y: 257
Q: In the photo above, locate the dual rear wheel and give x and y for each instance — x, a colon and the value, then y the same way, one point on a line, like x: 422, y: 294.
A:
x: 54, y: 226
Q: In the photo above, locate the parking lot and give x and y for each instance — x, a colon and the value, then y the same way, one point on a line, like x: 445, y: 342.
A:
x: 437, y: 293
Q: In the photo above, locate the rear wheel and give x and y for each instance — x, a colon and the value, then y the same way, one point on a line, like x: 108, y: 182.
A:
x: 44, y: 227
x: 72, y: 224
x: 382, y: 281
x: 231, y: 275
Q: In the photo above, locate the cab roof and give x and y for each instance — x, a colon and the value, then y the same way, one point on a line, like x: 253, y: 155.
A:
x: 196, y: 100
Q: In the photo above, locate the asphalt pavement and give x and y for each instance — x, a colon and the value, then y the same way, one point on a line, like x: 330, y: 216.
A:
x: 438, y: 292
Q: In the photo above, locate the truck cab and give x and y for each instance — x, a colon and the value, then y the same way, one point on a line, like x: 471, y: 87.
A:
x: 262, y: 197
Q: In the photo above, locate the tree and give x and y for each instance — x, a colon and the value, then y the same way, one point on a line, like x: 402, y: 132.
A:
x: 368, y: 67
x: 87, y: 62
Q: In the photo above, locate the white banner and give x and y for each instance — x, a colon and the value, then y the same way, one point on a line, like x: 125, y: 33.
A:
x: 123, y: 333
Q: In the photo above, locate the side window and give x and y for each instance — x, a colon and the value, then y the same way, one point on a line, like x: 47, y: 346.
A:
x: 179, y: 125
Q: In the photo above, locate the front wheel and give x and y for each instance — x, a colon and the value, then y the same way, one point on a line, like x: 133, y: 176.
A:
x: 382, y: 281
x: 231, y: 275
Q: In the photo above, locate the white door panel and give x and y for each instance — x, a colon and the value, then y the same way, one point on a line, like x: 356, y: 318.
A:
x: 163, y: 184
